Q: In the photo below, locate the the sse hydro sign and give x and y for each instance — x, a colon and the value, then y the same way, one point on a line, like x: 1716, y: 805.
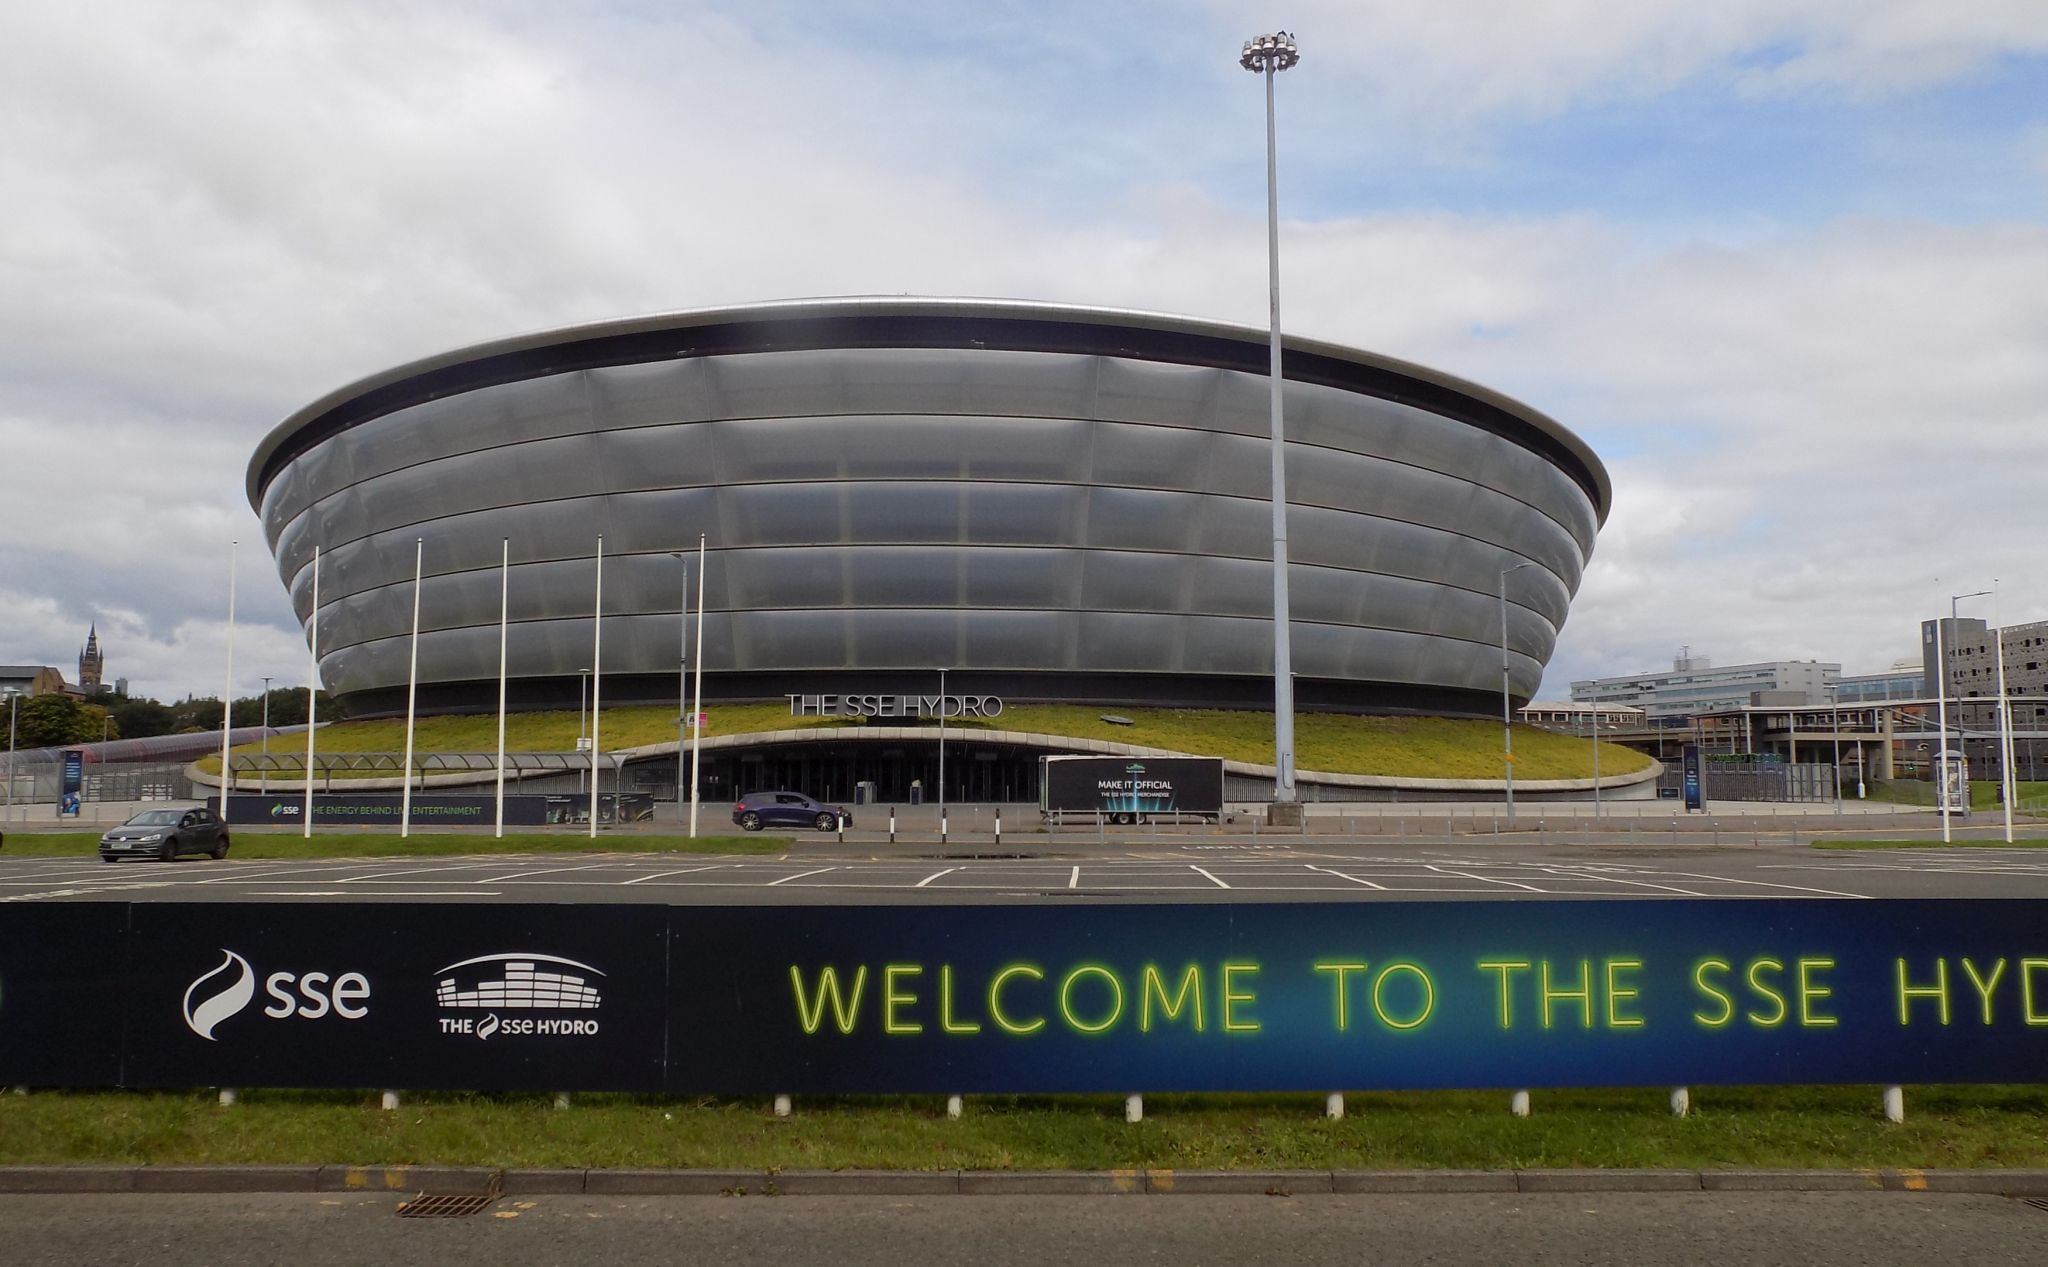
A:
x: 1025, y: 998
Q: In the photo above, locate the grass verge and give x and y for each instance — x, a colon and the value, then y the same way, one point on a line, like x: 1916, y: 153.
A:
x: 1994, y: 843
x: 1800, y: 1127
x: 253, y: 844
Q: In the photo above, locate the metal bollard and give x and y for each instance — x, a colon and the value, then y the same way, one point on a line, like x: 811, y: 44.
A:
x: 842, y: 829
x: 999, y: 827
x: 892, y: 824
x: 942, y: 827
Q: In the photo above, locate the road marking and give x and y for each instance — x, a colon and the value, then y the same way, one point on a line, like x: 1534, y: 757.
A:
x: 653, y: 875
x: 800, y: 875
x: 1212, y: 879
x: 1565, y: 873
x: 380, y: 893
x: 514, y: 875
x: 1354, y: 879
x: 1770, y: 884
x: 1484, y: 879
x: 1074, y: 880
x: 933, y: 876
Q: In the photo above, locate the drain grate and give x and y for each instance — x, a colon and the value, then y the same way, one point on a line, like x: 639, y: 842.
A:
x: 446, y: 1205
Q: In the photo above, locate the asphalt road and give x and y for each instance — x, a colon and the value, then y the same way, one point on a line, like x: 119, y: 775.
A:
x: 821, y: 873
x: 1641, y: 1229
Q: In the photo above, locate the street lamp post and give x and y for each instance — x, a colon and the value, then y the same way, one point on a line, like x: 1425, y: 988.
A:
x: 1268, y: 55
x: 1507, y: 721
x: 683, y: 718
x: 263, y: 776
x: 13, y: 700
x: 582, y: 704
x: 1941, y: 710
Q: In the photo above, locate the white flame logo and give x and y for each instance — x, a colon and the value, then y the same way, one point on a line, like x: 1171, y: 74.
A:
x: 231, y: 999
x: 489, y: 1027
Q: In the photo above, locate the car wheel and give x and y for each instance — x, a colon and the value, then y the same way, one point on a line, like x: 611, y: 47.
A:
x: 826, y: 822
x: 108, y: 859
x: 220, y: 847
x: 1120, y: 819
x: 750, y: 821
x: 169, y: 852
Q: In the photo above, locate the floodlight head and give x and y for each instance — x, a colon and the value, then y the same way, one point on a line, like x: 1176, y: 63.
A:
x: 1277, y: 51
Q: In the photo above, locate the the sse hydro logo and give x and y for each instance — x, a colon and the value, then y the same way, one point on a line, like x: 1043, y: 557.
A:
x: 223, y: 993
x: 514, y: 983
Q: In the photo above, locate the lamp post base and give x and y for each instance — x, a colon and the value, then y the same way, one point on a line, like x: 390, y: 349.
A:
x: 1285, y: 814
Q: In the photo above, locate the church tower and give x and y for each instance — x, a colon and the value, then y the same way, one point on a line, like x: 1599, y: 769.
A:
x: 91, y: 663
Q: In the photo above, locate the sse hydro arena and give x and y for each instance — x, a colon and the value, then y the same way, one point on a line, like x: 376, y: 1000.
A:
x: 1052, y: 503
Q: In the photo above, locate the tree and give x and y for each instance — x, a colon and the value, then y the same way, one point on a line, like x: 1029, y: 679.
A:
x: 287, y: 708
x: 141, y: 718
x: 49, y: 721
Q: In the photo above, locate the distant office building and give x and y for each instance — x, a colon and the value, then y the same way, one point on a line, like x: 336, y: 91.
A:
x: 1694, y: 685
x: 1971, y: 649
x: 31, y: 679
x: 1570, y: 715
x: 1905, y: 680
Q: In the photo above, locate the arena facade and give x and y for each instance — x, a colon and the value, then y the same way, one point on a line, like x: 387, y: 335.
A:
x: 1052, y: 503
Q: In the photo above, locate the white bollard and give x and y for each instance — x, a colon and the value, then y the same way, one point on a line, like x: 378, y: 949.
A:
x: 390, y: 1101
x: 954, y: 1107
x: 1134, y: 1108
x: 892, y: 824
x: 561, y: 1099
x: 1333, y: 1106
x: 782, y: 1106
x: 227, y: 1097
x: 1681, y: 1101
x: 999, y: 827
x: 942, y: 827
x: 1894, y: 1104
x: 1518, y: 1104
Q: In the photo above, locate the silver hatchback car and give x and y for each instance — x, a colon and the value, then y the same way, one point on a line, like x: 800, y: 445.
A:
x: 163, y: 834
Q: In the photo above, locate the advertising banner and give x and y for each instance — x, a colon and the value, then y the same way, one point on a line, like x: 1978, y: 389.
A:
x: 390, y: 995
x: 74, y: 782
x: 1025, y: 999
x: 1129, y: 786
x: 1690, y: 778
x: 379, y: 809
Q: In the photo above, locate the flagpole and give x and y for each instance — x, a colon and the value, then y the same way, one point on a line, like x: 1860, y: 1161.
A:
x: 596, y: 679
x: 504, y: 620
x: 312, y: 692
x: 227, y: 701
x: 2006, y: 785
x: 412, y: 691
x: 697, y: 709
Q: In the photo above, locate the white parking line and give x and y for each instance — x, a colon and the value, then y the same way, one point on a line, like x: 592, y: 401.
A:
x: 1563, y: 873
x: 1770, y: 884
x: 517, y: 875
x: 933, y: 876
x: 1485, y: 879
x: 1074, y: 880
x: 653, y: 875
x: 1354, y: 879
x: 800, y: 875
x: 1212, y: 879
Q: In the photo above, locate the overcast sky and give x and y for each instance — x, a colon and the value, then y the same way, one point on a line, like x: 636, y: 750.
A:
x: 1784, y: 266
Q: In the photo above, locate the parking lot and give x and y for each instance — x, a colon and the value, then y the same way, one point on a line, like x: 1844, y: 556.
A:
x: 821, y: 873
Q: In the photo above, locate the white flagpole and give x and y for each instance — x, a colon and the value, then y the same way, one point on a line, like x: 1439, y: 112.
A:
x: 504, y: 621
x: 2006, y: 785
x: 312, y: 692
x: 596, y: 679
x: 697, y: 709
x: 227, y: 700
x: 412, y: 690
x: 1941, y: 713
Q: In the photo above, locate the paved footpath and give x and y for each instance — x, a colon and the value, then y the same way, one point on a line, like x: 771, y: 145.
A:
x: 1642, y: 1229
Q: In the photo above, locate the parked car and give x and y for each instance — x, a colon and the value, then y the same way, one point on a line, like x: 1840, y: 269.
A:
x: 787, y: 809
x: 163, y: 834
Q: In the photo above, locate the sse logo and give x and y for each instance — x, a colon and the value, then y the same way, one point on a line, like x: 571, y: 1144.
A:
x: 225, y: 991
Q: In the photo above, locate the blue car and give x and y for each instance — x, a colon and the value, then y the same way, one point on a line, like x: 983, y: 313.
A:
x: 787, y: 809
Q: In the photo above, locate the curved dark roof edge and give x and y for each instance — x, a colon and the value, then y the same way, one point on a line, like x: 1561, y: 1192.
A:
x: 909, y: 321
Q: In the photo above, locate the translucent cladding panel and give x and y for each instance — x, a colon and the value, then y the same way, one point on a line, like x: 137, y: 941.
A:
x: 1129, y: 641
x: 1033, y: 384
x: 782, y: 514
x: 902, y: 639
x: 536, y: 471
x: 1151, y: 456
x: 1241, y: 466
x: 777, y: 384
x: 1121, y: 581
x: 898, y: 512
x: 473, y: 421
x: 1222, y: 644
x: 904, y: 577
x: 660, y: 393
x: 652, y: 521
x: 904, y: 446
x: 1024, y: 514
x: 793, y: 639
x: 674, y: 455
x: 1019, y: 639
x: 1022, y: 577
x: 283, y: 499
x: 1149, y: 391
x: 1143, y: 519
x: 784, y: 577
x: 1232, y: 587
x: 1235, y: 527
